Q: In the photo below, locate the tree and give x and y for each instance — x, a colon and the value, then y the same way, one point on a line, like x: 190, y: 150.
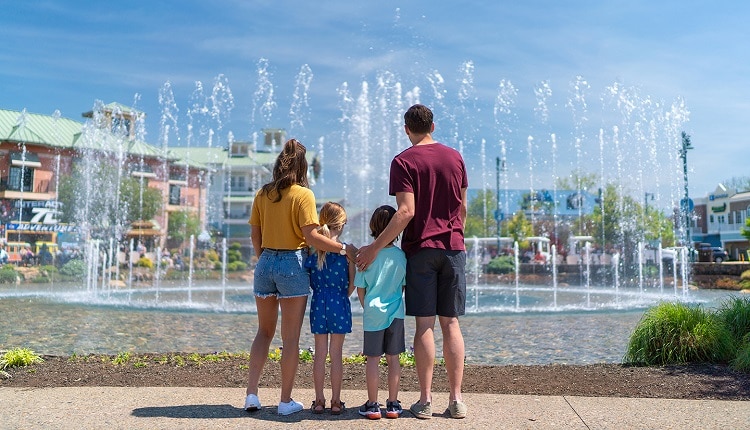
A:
x: 94, y: 197
x: 181, y: 226
x: 737, y: 183
x: 142, y: 202
x: 480, y: 219
x: 612, y: 221
x: 746, y: 231
x: 519, y: 228
x: 578, y: 180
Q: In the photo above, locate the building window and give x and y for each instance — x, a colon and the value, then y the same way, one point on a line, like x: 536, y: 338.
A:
x: 121, y: 126
x: 15, y: 181
x: 239, y: 183
x: 711, y: 219
x: 730, y: 218
x: 174, y: 194
x: 239, y: 149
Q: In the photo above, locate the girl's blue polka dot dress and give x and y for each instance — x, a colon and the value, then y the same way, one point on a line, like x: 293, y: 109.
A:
x: 330, y: 308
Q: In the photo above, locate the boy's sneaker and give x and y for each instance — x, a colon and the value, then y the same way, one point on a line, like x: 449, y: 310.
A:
x: 252, y: 403
x: 421, y: 411
x: 370, y: 410
x: 290, y: 407
x: 393, y: 409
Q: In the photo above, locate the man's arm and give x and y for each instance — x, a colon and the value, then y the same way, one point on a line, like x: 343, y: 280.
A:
x: 402, y: 217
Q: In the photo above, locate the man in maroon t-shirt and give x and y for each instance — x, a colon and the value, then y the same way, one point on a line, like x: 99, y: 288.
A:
x: 429, y: 181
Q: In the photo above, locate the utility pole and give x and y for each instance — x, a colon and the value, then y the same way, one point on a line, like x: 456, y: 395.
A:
x: 498, y: 211
x: 685, y: 206
x: 500, y: 167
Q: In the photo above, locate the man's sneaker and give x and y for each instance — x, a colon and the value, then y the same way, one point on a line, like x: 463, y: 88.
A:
x: 252, y: 403
x: 421, y: 411
x: 457, y: 409
x: 290, y: 407
x: 393, y: 409
x: 370, y: 410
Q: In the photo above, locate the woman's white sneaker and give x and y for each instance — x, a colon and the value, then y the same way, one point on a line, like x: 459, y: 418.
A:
x: 290, y: 407
x: 252, y: 403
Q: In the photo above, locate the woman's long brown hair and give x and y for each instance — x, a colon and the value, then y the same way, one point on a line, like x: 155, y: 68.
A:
x: 290, y: 169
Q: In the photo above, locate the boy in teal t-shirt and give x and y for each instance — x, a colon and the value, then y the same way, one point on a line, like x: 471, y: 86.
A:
x: 380, y: 290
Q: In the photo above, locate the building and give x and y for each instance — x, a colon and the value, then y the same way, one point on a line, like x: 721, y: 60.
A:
x: 719, y: 219
x: 236, y: 172
x: 37, y: 151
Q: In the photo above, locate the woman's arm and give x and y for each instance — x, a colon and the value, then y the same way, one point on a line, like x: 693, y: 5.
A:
x: 257, y: 238
x: 322, y: 243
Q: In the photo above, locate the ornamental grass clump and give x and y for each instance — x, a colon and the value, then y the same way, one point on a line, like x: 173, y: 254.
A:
x: 734, y: 312
x: 741, y: 361
x: 19, y: 357
x: 675, y: 333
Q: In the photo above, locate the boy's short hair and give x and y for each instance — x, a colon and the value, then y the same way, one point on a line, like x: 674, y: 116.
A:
x: 380, y: 219
x: 418, y: 119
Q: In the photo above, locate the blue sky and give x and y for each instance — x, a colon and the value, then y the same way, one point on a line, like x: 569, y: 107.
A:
x: 644, y: 70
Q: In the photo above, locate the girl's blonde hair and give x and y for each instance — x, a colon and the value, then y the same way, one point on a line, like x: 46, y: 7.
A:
x: 332, y: 216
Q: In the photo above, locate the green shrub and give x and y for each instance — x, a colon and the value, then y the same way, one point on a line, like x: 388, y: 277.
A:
x: 674, y: 333
x: 19, y: 357
x: 235, y: 266
x: 74, y: 268
x: 41, y: 279
x: 145, y: 262
x: 734, y: 312
x: 741, y: 361
x: 8, y: 275
x: 501, y: 265
x: 212, y: 255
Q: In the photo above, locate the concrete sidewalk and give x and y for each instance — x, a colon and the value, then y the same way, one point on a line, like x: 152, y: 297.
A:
x: 206, y: 408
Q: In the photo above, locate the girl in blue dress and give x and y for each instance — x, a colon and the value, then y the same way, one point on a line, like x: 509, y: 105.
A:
x: 332, y: 282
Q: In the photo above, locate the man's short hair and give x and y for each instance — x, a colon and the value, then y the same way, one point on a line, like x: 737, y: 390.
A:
x: 419, y: 119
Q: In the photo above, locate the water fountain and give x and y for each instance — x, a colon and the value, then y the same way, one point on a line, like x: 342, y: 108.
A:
x: 507, y: 322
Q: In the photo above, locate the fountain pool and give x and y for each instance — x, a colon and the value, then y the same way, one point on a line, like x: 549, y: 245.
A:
x: 65, y: 319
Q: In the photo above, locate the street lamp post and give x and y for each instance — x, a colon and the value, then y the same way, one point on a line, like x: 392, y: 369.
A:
x: 685, y: 206
x: 499, y: 214
x: 645, y: 201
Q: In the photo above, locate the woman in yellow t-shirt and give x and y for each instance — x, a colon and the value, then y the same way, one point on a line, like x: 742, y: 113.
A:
x: 284, y: 224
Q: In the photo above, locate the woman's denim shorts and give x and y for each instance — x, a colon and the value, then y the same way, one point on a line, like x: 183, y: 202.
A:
x: 282, y: 273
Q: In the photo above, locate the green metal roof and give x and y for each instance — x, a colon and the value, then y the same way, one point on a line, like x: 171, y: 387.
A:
x: 38, y: 129
x: 64, y: 133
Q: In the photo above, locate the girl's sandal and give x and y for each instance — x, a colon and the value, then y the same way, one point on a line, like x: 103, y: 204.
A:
x: 337, y: 407
x: 318, y: 406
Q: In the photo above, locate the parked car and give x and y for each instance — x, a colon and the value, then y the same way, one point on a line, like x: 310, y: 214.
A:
x: 718, y: 253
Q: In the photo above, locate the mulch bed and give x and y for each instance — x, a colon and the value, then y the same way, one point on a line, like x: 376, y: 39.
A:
x: 597, y: 380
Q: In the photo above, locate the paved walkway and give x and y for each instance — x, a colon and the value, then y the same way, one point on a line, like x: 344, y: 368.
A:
x: 207, y: 408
